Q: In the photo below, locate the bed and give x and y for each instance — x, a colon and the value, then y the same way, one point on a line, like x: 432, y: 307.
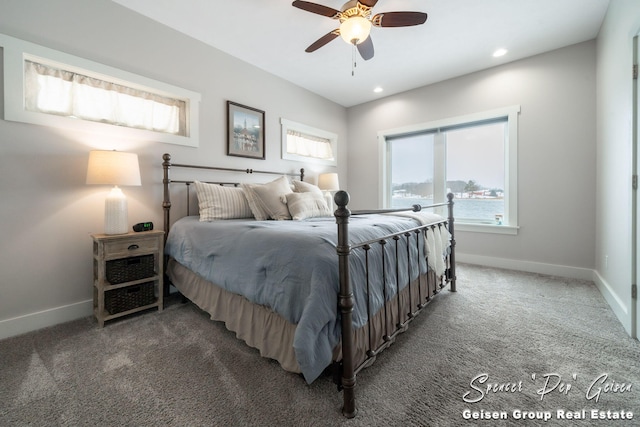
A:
x: 313, y: 289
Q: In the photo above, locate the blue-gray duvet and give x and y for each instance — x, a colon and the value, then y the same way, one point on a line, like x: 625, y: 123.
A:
x: 292, y: 268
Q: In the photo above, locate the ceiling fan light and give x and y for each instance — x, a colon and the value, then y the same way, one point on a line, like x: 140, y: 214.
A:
x: 355, y: 30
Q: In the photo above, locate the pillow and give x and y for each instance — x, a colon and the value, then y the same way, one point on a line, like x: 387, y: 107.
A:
x: 304, y: 187
x: 218, y: 202
x: 254, y: 204
x: 307, y: 205
x: 267, y: 201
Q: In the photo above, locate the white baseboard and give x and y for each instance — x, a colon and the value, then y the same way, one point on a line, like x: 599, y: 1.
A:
x: 43, y: 319
x: 528, y: 266
x: 620, y: 309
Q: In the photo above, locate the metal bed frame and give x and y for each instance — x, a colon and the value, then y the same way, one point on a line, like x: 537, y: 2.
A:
x: 346, y: 370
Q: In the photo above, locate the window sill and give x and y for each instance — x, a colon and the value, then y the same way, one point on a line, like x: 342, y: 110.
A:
x: 487, y: 228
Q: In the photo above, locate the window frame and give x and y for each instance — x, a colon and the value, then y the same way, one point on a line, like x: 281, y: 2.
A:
x: 16, y: 51
x: 287, y: 125
x: 511, y: 113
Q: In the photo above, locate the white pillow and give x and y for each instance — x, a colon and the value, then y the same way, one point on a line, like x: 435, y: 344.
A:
x: 254, y: 203
x: 218, y: 202
x: 307, y: 205
x: 267, y: 201
x: 304, y: 187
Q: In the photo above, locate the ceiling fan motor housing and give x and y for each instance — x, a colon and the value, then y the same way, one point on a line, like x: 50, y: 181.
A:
x: 354, y: 8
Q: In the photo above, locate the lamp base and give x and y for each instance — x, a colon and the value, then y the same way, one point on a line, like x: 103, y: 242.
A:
x: 329, y: 199
x: 115, y: 213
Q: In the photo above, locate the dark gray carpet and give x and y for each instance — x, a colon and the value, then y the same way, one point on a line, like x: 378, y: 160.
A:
x: 178, y: 368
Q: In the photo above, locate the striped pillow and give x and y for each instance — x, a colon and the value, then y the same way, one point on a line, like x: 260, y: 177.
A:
x: 218, y: 202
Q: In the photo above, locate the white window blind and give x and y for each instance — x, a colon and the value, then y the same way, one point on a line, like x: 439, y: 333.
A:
x: 66, y: 93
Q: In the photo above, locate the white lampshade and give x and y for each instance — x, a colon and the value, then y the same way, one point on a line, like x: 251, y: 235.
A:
x: 355, y: 30
x: 114, y: 168
x: 328, y: 182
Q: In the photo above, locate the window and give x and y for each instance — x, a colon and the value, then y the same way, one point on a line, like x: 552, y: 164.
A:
x: 307, y: 144
x: 47, y: 87
x: 53, y: 90
x: 473, y: 157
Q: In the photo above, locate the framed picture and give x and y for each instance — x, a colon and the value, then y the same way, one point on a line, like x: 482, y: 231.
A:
x: 245, y: 131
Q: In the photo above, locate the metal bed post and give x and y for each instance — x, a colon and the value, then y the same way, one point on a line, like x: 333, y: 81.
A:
x: 166, y: 206
x: 452, y: 255
x: 166, y: 203
x: 345, y: 303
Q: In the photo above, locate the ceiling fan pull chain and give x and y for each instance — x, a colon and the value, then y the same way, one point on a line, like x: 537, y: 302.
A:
x: 353, y: 60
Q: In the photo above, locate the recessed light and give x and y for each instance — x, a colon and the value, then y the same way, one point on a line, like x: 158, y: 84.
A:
x: 378, y: 89
x: 500, y: 52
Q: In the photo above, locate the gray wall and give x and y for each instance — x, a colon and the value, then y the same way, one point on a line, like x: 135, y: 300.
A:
x: 556, y: 154
x: 615, y: 152
x: 47, y: 212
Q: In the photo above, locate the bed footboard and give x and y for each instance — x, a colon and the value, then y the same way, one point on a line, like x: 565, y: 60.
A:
x: 350, y: 366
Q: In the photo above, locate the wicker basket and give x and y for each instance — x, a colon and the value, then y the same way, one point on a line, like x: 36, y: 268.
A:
x: 129, y: 269
x: 123, y: 299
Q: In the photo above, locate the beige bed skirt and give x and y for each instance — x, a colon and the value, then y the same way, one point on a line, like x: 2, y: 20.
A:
x: 272, y: 335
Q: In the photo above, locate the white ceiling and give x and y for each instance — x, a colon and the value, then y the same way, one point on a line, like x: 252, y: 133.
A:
x: 458, y: 38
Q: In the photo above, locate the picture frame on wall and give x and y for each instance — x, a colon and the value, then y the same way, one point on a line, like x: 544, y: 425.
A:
x: 245, y: 131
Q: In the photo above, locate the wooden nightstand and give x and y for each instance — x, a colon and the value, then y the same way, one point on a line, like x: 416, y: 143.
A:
x: 127, y: 273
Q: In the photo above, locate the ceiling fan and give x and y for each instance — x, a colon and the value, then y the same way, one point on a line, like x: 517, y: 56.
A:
x: 356, y: 22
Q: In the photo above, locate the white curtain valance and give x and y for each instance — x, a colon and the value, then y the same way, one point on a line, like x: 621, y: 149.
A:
x: 309, y: 145
x: 56, y: 91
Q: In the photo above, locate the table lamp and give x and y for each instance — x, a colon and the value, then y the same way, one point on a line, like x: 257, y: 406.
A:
x: 114, y: 168
x: 328, y: 182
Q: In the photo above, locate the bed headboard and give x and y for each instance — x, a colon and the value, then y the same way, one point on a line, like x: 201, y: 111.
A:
x: 167, y: 181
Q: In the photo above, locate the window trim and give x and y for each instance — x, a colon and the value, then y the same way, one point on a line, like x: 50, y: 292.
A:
x: 511, y: 113
x: 287, y: 125
x: 16, y: 51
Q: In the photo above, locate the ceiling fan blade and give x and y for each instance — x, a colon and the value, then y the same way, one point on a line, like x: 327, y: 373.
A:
x: 366, y: 49
x: 322, y: 41
x: 399, y: 19
x: 316, y: 8
x: 368, y: 3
